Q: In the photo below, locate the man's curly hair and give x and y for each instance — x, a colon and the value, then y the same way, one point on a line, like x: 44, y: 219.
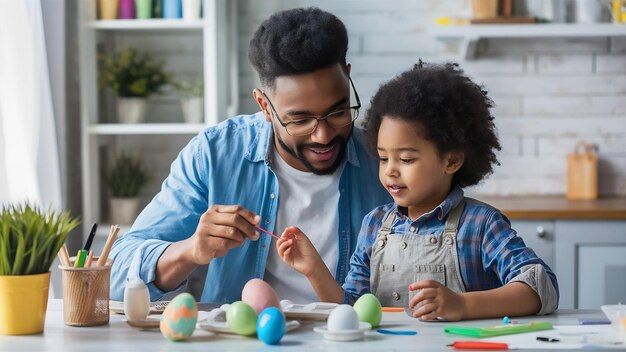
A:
x: 447, y: 109
x: 297, y: 41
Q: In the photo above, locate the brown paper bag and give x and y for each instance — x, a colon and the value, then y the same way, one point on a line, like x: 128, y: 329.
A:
x: 582, y: 172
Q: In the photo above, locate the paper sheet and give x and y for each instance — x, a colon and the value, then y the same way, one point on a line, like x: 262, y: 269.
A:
x: 570, y: 337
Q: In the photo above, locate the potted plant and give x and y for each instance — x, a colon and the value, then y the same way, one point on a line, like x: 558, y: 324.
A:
x: 30, y: 238
x: 125, y: 178
x: 191, y: 100
x: 133, y: 77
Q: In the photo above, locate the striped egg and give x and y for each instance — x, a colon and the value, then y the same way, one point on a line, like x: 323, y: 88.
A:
x: 179, y: 318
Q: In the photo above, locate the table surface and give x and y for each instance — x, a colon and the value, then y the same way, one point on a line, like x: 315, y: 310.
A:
x: 118, y: 336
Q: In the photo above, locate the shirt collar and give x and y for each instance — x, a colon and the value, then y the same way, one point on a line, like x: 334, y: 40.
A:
x: 443, y: 209
x: 259, y: 148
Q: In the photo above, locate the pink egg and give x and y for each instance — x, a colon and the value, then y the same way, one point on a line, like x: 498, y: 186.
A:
x: 259, y: 295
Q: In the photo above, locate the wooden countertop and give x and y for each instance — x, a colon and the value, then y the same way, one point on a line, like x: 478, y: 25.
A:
x: 557, y: 207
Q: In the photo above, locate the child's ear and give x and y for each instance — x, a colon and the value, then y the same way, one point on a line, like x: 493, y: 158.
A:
x: 454, y: 161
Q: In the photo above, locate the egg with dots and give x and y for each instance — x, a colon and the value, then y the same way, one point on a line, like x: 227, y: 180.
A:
x: 259, y: 295
x: 271, y: 326
x: 179, y: 318
x: 368, y: 309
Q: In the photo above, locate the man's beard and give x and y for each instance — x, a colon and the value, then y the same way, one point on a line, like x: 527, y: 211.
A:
x: 340, y: 142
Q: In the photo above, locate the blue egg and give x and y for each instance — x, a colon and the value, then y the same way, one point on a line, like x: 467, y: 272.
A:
x: 270, y: 327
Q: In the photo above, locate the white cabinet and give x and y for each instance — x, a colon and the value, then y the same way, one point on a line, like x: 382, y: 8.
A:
x: 204, y: 48
x: 591, y: 261
x: 587, y: 256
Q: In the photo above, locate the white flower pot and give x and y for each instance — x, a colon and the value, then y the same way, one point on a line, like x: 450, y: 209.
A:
x: 191, y: 10
x: 124, y: 210
x: 131, y: 110
x: 193, y: 109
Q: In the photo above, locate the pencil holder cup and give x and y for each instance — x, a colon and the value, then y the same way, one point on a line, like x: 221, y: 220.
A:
x: 86, y: 294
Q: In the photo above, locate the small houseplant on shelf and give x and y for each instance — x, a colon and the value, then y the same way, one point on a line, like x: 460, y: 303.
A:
x: 191, y: 100
x: 125, y: 179
x: 30, y: 238
x: 133, y: 77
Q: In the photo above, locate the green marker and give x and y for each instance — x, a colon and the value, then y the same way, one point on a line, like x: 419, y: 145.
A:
x: 80, y: 258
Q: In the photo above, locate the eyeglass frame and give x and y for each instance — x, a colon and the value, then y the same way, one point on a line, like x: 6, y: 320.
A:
x: 318, y: 118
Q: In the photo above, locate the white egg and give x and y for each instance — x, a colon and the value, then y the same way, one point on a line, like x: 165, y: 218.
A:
x: 343, y: 318
x: 136, y: 300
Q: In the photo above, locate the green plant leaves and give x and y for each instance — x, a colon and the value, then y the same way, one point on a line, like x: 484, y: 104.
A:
x: 30, y: 238
x: 131, y: 74
x: 127, y: 176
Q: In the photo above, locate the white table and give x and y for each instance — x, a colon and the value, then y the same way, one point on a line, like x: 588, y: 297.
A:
x: 118, y: 336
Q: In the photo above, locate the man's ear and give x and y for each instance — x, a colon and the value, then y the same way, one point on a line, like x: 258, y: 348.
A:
x: 260, y: 99
x: 454, y: 161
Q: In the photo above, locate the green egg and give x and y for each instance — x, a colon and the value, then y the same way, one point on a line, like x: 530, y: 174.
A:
x: 241, y: 318
x: 368, y: 309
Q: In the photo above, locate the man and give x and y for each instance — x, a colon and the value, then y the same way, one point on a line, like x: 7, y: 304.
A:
x: 299, y: 161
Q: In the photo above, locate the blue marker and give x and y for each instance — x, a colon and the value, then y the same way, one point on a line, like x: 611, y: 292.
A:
x: 506, y: 320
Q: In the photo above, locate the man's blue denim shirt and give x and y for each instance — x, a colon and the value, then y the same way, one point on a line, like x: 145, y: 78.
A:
x: 230, y: 164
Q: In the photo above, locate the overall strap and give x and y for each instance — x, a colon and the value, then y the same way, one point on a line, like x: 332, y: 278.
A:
x: 452, y: 222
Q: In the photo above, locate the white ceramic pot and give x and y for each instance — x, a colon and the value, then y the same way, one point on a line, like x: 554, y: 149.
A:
x: 191, y: 9
x: 589, y: 11
x: 193, y: 109
x: 131, y: 110
x: 124, y: 210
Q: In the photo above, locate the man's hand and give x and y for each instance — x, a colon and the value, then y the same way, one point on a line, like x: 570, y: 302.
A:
x: 295, y: 249
x: 222, y: 228
x: 436, y: 300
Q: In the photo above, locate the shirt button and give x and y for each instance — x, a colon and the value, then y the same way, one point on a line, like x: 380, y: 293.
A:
x: 267, y: 221
x: 381, y: 243
x: 404, y: 245
x: 272, y: 196
x: 433, y: 240
x: 395, y: 296
x: 412, y: 229
x: 263, y: 245
x: 448, y: 240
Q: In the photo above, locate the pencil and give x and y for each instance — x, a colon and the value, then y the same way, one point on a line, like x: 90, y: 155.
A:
x: 89, y: 259
x: 107, y: 246
x: 64, y: 257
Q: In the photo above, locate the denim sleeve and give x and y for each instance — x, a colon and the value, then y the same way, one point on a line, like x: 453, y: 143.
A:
x: 506, y: 254
x: 170, y: 217
x: 358, y: 279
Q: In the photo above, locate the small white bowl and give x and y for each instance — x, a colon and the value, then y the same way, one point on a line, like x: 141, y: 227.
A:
x: 616, y: 314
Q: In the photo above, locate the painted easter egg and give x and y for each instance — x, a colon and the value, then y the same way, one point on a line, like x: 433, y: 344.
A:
x: 241, y: 318
x: 369, y: 310
x: 343, y: 318
x: 179, y: 318
x: 259, y: 295
x: 270, y: 327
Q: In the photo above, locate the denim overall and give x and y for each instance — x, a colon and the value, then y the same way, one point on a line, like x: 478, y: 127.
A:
x: 400, y: 259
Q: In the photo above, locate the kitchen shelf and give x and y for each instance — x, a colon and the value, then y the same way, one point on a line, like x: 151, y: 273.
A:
x: 472, y: 34
x: 148, y: 24
x: 146, y: 128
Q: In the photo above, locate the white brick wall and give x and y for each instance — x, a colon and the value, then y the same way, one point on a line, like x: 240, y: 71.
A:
x: 549, y: 93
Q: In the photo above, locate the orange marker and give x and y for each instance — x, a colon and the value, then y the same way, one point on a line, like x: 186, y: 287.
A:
x: 393, y: 309
x: 478, y: 345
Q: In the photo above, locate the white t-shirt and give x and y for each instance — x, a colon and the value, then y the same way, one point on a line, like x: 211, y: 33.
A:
x: 310, y: 202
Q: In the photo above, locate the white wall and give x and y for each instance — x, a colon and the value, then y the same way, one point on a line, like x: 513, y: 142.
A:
x: 549, y: 93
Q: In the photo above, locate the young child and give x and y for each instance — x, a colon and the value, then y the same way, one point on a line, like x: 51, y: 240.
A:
x: 442, y: 255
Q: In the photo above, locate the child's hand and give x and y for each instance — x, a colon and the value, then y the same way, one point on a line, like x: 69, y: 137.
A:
x: 298, y: 252
x: 436, y: 300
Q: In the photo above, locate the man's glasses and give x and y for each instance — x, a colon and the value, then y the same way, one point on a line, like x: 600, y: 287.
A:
x: 304, y: 125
